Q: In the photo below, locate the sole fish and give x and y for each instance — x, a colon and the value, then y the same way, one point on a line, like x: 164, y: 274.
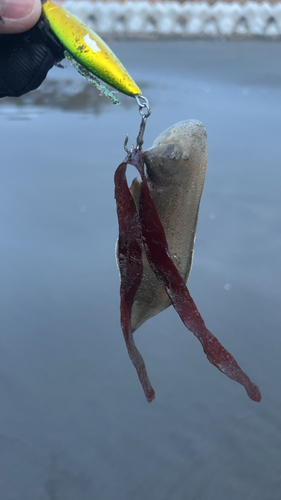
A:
x: 176, y: 168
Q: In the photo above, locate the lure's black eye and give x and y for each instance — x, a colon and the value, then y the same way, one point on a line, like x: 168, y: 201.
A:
x: 25, y: 60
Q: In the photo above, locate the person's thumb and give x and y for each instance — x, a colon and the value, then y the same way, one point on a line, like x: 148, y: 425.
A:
x: 17, y: 16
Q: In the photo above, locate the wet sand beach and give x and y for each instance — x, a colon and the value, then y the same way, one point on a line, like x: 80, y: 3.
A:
x: 74, y: 423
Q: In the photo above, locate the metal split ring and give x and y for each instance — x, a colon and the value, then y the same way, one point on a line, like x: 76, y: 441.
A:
x: 144, y: 107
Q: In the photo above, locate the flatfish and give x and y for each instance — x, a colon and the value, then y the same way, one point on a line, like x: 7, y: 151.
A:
x: 176, y: 168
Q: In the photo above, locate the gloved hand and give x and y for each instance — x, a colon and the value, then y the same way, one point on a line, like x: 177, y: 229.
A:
x: 25, y: 57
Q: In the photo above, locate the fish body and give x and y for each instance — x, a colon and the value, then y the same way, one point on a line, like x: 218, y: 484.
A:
x: 176, y: 168
x: 87, y: 48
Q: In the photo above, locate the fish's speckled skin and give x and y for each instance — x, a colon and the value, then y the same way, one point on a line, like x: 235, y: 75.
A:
x: 88, y: 48
x: 176, y: 169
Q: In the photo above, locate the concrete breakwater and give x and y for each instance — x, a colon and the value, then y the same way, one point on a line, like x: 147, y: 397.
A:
x: 145, y: 19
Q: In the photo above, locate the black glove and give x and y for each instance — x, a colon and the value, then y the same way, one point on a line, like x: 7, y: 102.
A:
x: 26, y: 58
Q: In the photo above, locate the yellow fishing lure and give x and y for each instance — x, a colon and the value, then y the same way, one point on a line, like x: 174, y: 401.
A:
x: 88, y: 49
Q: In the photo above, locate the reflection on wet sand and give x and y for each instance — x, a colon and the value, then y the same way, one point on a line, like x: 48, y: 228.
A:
x: 75, y: 95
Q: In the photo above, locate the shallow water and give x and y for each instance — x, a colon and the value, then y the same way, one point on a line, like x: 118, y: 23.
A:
x: 74, y: 423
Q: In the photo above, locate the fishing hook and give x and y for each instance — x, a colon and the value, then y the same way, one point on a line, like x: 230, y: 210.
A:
x: 145, y: 111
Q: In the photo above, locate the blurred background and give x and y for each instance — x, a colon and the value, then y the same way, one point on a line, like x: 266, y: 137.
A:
x: 74, y: 422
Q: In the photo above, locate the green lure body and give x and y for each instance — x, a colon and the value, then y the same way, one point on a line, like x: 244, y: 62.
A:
x: 88, y: 49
